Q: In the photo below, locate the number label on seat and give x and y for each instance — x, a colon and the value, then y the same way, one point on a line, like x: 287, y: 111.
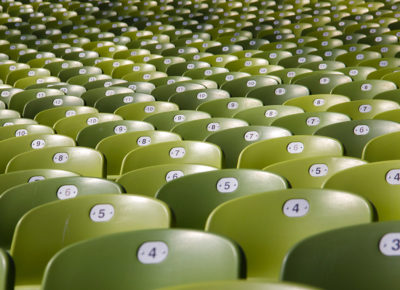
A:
x: 313, y: 121
x: 393, y: 177
x: 102, y: 212
x: 174, y: 174
x: 227, y: 184
x: 212, y: 127
x: 144, y: 141
x: 21, y: 132
x: 120, y: 129
x: 361, y: 130
x: 67, y: 191
x: 251, y: 136
x: 319, y: 102
x: 152, y: 252
x: 389, y: 244
x: 295, y: 147
x: 296, y: 207
x: 36, y: 178
x: 177, y: 152
x: 318, y: 170
x: 365, y: 108
x: 271, y: 113
x: 38, y: 144
x: 60, y: 157
x: 179, y: 118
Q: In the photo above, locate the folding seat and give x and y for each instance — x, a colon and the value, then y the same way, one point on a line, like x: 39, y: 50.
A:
x: 321, y: 82
x: 358, y: 73
x: 364, y: 109
x: 392, y: 95
x: 9, y: 114
x: 22, y: 129
x: 28, y: 82
x: 381, y: 148
x: 381, y: 62
x: 72, y: 125
x: 225, y: 263
x: 313, y: 210
x: 84, y: 161
x: 241, y: 86
x: 92, y: 96
x: 377, y: 257
x: 209, y: 186
x: 82, y: 80
x: 228, y: 107
x: 111, y: 103
x: 380, y: 73
x: 324, y: 65
x: 167, y: 120
x: 140, y: 111
x: 16, y: 121
x: 288, y: 74
x: 67, y: 73
x: 364, y: 89
x: 20, y: 199
x: 355, y: 134
x: 278, y: 94
x: 108, y: 66
x: 177, y: 152
x: 123, y: 70
x: 144, y: 76
x: 50, y: 116
x: 99, y: 215
x: 191, y: 99
x: 14, y: 76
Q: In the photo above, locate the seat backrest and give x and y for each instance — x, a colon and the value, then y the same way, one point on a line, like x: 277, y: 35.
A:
x: 242, y: 86
x: 355, y: 134
x: 192, y: 198
x: 266, y: 152
x: 142, y: 110
x: 278, y: 94
x: 81, y: 160
x: 321, y: 82
x: 73, y: 220
x: 19, y: 130
x: 191, y: 99
x: 50, y: 116
x: 18, y: 200
x: 381, y: 148
x: 228, y: 107
x: 268, y: 224
x: 265, y: 115
x: 19, y: 100
x: 364, y: 89
x: 168, y: 120
x: 317, y: 102
x: 338, y: 260
x: 93, y: 95
x: 174, y: 256
x: 7, y: 271
x: 109, y: 104
x: 192, y: 152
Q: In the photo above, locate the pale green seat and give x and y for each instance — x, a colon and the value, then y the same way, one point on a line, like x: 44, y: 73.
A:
x: 9, y: 114
x: 68, y: 89
x: 265, y: 115
x: 8, y: 180
x: 174, y: 256
x: 337, y: 260
x: 267, y: 225
x: 242, y: 86
x: 111, y: 103
x: 288, y: 74
x: 391, y: 115
x: 308, y: 123
x: 164, y: 92
x: 6, y: 93
x: 20, y: 199
x: 116, y: 147
x: 192, y: 198
x: 354, y: 58
x: 382, y: 148
x: 177, y: 152
x: 233, y: 141
x: 18, y: 130
x: 312, y: 172
x: 140, y: 111
x: 228, y: 107
x: 86, y: 217
x: 90, y: 136
x: 71, y: 126
x: 364, y: 89
x: 31, y: 82
x: 11, y: 147
x: 222, y: 78
x: 105, y: 84
x: 267, y: 152
x: 317, y: 102
x: 358, y: 73
x: 192, y: 99
x: 7, y: 271
x: 50, y: 116
x: 167, y: 120
x: 92, y: 96
x: 137, y: 181
x: 365, y: 108
x: 81, y: 160
x: 355, y: 134
x: 201, y: 129
x: 376, y: 181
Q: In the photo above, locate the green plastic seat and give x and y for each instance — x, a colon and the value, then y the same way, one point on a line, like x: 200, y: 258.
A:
x: 23, y: 129
x: 19, y: 100
x: 123, y: 70
x: 9, y: 114
x: 178, y: 152
x: 355, y: 134
x: 354, y: 58
x: 288, y: 74
x: 201, y: 129
x: 364, y: 89
x: 92, y: 96
x: 267, y: 225
x: 312, y: 172
x: 166, y: 253
x: 142, y: 110
x: 381, y: 148
x: 8, y: 67
x: 379, y: 63
x: 87, y: 217
x: 348, y: 260
x: 266, y: 152
x: 29, y: 82
x: 241, y: 285
x: 71, y: 126
x: 164, y: 92
x: 298, y: 60
x: 317, y: 102
x: 358, y: 73
x: 242, y: 86
x: 20, y: 199
x: 228, y: 107
x: 35, y: 106
x: 321, y: 82
x: 50, y: 116
x: 6, y: 93
x: 192, y: 198
x: 167, y: 120
x: 13, y: 146
x: 90, y: 136
x: 375, y: 181
x: 364, y: 109
x: 105, y: 83
x: 82, y: 80
x: 116, y: 147
x: 222, y: 78
x: 108, y: 104
x: 191, y: 99
x: 19, y: 74
x: 308, y: 123
x: 7, y: 271
x: 278, y: 94
x: 81, y: 160
x: 239, y: 64
x: 68, y: 89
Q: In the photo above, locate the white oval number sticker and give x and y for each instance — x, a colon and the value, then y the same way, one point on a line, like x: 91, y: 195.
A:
x: 393, y: 177
x: 313, y: 121
x: 36, y: 178
x: 67, y: 191
x: 213, y: 127
x: 152, y: 252
x: 389, y: 244
x: 120, y: 129
x: 177, y: 152
x: 60, y: 157
x: 227, y: 184
x: 174, y: 174
x: 318, y: 170
x: 295, y: 147
x: 143, y: 141
x: 296, y: 207
x: 101, y: 212
x: 361, y: 130
x: 21, y: 132
x: 38, y: 144
x: 251, y: 136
